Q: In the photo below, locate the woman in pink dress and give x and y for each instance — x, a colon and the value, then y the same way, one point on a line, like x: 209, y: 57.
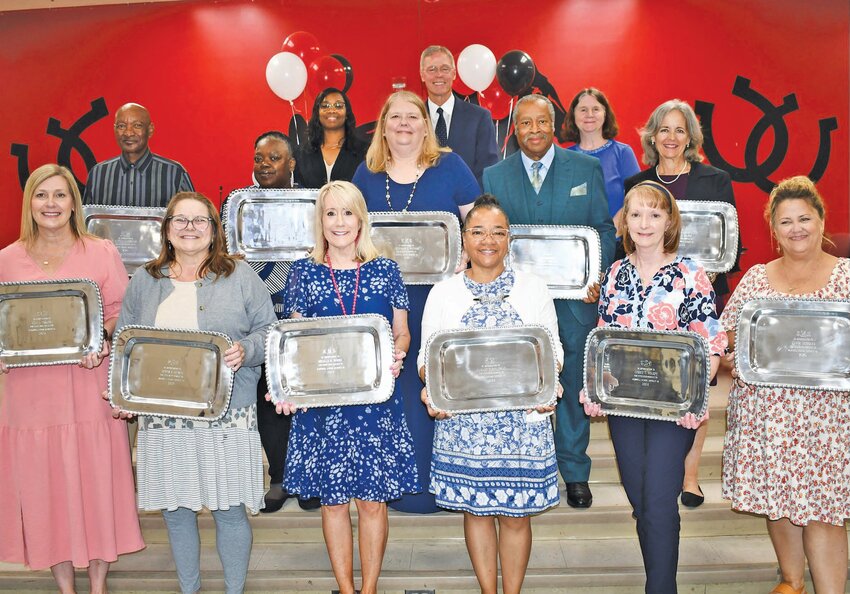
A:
x: 787, y: 450
x: 67, y: 495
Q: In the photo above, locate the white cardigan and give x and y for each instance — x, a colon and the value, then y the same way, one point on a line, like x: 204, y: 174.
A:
x: 450, y: 299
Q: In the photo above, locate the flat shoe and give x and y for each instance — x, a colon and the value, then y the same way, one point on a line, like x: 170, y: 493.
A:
x: 786, y: 588
x: 692, y: 499
x: 274, y: 499
x: 309, y: 504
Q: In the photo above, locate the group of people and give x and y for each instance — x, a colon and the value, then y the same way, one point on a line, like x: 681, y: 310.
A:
x: 68, y: 493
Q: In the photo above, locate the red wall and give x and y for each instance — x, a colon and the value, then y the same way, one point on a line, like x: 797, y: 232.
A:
x: 200, y: 69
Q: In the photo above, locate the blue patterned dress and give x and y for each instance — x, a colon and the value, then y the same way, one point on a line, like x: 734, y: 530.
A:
x: 495, y: 463
x: 357, y: 451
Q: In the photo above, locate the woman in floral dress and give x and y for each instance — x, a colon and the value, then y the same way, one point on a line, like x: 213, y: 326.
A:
x: 654, y: 288
x: 787, y: 451
x: 496, y: 466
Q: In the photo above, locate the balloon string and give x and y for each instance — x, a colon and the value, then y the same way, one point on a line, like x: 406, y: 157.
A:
x: 294, y: 121
x: 509, y: 130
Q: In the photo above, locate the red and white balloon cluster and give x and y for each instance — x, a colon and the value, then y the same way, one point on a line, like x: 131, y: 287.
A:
x: 301, y: 64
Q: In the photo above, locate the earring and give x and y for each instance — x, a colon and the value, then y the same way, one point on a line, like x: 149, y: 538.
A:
x: 688, y: 145
x: 168, y: 245
x: 652, y: 141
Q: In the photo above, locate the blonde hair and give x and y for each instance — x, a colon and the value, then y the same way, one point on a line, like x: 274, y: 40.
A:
x: 654, y: 195
x: 379, y: 154
x: 350, y: 198
x: 29, y: 228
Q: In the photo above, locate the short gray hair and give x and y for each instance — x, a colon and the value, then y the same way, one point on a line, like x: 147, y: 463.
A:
x: 650, y: 154
x: 535, y: 97
x: 435, y: 49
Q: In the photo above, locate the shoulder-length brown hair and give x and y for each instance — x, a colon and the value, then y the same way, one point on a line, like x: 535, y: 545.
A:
x: 610, y: 129
x: 218, y: 261
x: 655, y: 196
x: 350, y: 197
x: 29, y: 228
x: 379, y: 154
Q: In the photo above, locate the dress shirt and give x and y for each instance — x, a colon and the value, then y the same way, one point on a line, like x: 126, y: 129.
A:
x: 545, y: 160
x: 448, y: 108
x: 151, y: 181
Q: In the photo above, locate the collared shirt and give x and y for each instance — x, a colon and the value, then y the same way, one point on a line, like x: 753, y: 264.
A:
x: 545, y: 160
x: 448, y: 108
x: 150, y: 181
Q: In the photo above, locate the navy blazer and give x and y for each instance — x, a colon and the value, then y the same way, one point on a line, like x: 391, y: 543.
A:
x: 574, y: 205
x: 473, y: 137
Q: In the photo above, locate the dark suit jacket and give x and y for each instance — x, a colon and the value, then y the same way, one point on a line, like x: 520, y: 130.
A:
x: 507, y: 180
x: 310, y: 166
x: 706, y: 183
x: 472, y: 136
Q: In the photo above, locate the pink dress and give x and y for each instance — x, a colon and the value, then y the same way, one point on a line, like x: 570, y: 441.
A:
x: 787, y: 451
x: 66, y: 492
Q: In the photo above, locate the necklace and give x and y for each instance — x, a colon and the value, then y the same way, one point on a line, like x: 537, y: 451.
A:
x: 336, y: 287
x: 672, y: 181
x: 337, y: 145
x: 410, y: 198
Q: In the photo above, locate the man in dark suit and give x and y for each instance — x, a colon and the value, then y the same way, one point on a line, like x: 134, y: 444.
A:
x: 464, y: 127
x: 543, y: 184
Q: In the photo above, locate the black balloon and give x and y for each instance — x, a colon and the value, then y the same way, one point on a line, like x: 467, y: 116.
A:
x: 515, y: 71
x: 349, y: 72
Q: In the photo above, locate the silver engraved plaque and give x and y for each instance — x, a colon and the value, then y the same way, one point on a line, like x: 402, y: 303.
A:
x: 795, y: 343
x: 270, y: 225
x: 709, y: 234
x: 330, y: 361
x: 170, y: 372
x: 648, y: 374
x: 425, y: 245
x: 135, y: 231
x: 567, y: 257
x: 487, y: 369
x: 49, y: 322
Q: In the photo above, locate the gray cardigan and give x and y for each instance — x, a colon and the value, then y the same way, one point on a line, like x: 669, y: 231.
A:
x: 237, y: 305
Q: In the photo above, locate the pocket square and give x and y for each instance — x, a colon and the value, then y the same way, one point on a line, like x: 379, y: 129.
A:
x: 579, y: 190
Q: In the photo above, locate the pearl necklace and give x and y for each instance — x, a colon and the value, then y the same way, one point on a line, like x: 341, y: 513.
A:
x: 672, y: 181
x: 336, y: 287
x: 412, y: 191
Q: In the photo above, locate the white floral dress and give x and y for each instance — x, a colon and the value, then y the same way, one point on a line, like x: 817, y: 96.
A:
x: 787, y: 451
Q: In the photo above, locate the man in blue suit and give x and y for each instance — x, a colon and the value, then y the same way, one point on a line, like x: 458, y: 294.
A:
x: 464, y: 127
x: 543, y: 184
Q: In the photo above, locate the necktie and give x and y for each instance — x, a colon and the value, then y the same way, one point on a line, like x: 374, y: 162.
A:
x: 440, y: 128
x: 536, y: 180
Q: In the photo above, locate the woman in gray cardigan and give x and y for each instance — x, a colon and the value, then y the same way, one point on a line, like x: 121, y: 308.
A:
x: 184, y: 465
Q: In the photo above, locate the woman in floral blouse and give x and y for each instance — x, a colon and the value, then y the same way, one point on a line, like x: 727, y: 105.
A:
x: 654, y: 288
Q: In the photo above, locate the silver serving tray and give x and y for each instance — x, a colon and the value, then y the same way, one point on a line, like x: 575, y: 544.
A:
x: 135, y: 231
x: 709, y: 234
x: 425, y: 245
x: 796, y: 343
x: 170, y: 372
x: 270, y: 225
x: 656, y: 374
x: 567, y: 257
x: 49, y: 322
x: 487, y: 369
x: 330, y: 361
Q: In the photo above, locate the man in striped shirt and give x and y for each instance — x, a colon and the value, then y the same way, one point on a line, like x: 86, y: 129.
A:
x: 136, y: 177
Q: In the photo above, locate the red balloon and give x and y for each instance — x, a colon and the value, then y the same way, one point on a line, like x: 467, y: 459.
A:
x: 496, y: 99
x: 302, y: 44
x: 459, y: 87
x: 325, y: 72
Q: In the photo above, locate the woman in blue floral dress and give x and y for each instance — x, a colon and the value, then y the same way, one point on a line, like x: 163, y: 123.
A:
x: 360, y: 452
x: 654, y: 288
x: 496, y: 465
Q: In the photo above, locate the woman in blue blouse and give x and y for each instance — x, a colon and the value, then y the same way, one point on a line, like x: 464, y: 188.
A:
x: 655, y: 288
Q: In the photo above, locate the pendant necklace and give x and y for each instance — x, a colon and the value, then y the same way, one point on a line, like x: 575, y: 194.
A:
x: 410, y: 198
x: 672, y: 181
x: 336, y: 287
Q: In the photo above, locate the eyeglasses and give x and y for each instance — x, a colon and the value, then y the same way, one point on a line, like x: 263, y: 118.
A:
x: 199, y: 223
x: 444, y: 69
x: 136, y: 126
x: 479, y: 233
x: 337, y: 105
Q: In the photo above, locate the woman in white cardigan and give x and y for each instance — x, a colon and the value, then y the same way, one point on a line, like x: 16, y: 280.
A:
x: 495, y: 466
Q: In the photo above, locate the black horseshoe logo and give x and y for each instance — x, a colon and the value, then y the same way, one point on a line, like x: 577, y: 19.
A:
x: 773, y: 117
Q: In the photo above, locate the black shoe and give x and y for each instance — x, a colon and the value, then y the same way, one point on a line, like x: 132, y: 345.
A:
x: 275, y: 497
x: 692, y: 499
x: 579, y: 495
x: 309, y: 504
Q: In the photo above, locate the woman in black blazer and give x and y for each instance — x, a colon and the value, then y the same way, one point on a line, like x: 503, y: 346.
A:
x: 671, y: 142
x: 332, y: 150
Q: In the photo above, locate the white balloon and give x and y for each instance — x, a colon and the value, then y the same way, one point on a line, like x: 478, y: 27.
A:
x: 476, y: 66
x: 286, y: 75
